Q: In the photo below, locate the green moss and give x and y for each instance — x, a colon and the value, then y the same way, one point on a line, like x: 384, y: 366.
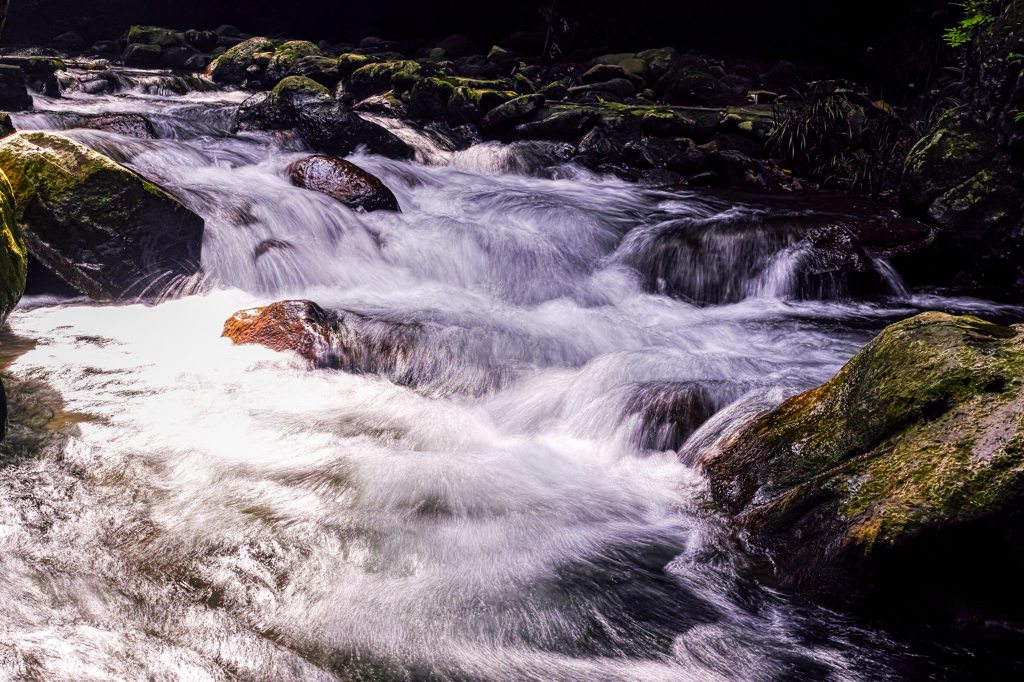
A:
x: 230, y: 67
x: 298, y: 86
x: 287, y: 55
x: 153, y: 35
x: 13, y: 256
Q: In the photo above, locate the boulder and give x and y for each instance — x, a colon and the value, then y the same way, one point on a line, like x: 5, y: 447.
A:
x: 70, y: 42
x: 286, y: 56
x: 454, y: 46
x: 204, y: 41
x: 345, y: 181
x: 230, y: 67
x: 374, y: 79
x: 602, y: 73
x: 667, y: 123
x: 695, y: 88
x: 300, y: 104
x: 349, y: 63
x: 152, y: 35
x: 429, y: 97
x: 13, y: 255
x: 323, y: 70
x: 567, y: 123
x: 620, y: 87
x: 957, y: 148
x: 514, y: 111
x: 13, y: 89
x: 6, y: 125
x: 298, y: 326
x: 667, y: 413
x: 102, y: 228
x: 659, y: 62
x: 390, y: 103
x: 895, y: 487
x: 178, y: 56
x: 781, y: 77
x: 470, y: 105
x: 142, y: 56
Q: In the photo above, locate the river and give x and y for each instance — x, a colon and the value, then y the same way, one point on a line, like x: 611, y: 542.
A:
x: 507, y: 513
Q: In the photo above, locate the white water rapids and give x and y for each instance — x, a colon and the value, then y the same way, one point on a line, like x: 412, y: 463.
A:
x: 228, y: 513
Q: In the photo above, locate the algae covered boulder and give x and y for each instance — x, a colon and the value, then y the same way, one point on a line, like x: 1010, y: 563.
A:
x: 959, y: 146
x: 303, y: 105
x: 13, y: 257
x: 377, y: 78
x: 345, y: 181
x: 896, y: 486
x: 230, y: 67
x: 287, y: 55
x: 102, y: 228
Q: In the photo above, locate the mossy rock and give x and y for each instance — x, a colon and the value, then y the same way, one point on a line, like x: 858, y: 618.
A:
x: 105, y: 230
x: 323, y: 70
x: 514, y: 111
x: 374, y: 79
x: 230, y: 67
x: 287, y: 55
x: 153, y: 35
x: 296, y: 89
x: 659, y: 62
x: 470, y: 105
x: 13, y: 256
x: 896, y: 486
x: 667, y: 123
x: 142, y: 56
x: 349, y: 63
x: 959, y: 146
x: 430, y: 96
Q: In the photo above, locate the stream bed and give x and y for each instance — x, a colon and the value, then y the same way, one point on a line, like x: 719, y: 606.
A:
x: 227, y: 513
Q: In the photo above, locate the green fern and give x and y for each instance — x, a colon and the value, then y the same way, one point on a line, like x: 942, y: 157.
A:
x: 976, y: 14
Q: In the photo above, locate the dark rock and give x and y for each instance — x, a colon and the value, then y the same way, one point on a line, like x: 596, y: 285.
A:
x: 204, y: 41
x: 13, y: 89
x: 959, y: 147
x: 620, y: 87
x: 780, y: 77
x: 562, y: 123
x: 470, y: 105
x: 659, y: 62
x: 650, y: 152
x: 602, y: 73
x: 389, y: 103
x: 227, y: 30
x: 6, y: 125
x: 198, y: 63
x: 374, y: 79
x: 429, y: 97
x: 707, y: 179
x: 305, y: 106
x: 230, y: 67
x: 102, y: 228
x: 668, y: 412
x: 884, y: 488
x: 514, y: 111
x: 152, y: 35
x: 667, y: 123
x: 737, y: 169
x: 70, y: 42
x: 693, y: 88
x: 345, y: 181
x: 690, y: 161
x: 734, y: 142
x: 177, y: 57
x: 132, y: 125
x: 109, y: 49
x: 738, y: 83
x: 454, y: 46
x: 323, y: 70
x: 142, y: 56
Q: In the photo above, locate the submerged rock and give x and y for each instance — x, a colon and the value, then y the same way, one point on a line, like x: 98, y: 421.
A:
x: 102, y: 228
x: 300, y: 104
x: 668, y: 412
x: 345, y: 181
x: 131, y: 125
x: 894, y: 487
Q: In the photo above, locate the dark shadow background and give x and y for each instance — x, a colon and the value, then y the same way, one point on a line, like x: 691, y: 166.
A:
x: 799, y: 29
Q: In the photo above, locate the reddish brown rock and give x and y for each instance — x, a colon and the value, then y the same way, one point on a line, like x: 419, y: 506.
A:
x: 345, y: 181
x: 300, y: 326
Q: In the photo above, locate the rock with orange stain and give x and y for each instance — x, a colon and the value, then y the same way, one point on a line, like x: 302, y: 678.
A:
x: 300, y: 326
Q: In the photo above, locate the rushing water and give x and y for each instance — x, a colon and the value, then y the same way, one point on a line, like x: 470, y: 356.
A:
x: 228, y: 513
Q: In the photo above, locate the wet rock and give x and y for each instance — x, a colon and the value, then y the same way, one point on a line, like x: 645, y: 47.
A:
x: 178, y: 57
x: 300, y: 104
x: 651, y: 152
x: 298, y: 326
x: 514, y: 111
x: 286, y: 56
x: 132, y: 125
x: 390, y: 103
x: 667, y: 123
x: 429, y: 97
x: 13, y: 255
x: 960, y: 146
x: 668, y: 412
x: 142, y: 56
x: 102, y: 228
x: 620, y: 87
x: 557, y: 123
x: 152, y: 35
x: 659, y: 62
x: 345, y: 181
x: 70, y: 42
x: 886, y: 488
x: 377, y: 78
x: 6, y: 125
x: 13, y: 89
x: 470, y: 105
x: 694, y: 88
x: 230, y: 67
x: 738, y: 169
x: 204, y: 41
x: 323, y: 70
